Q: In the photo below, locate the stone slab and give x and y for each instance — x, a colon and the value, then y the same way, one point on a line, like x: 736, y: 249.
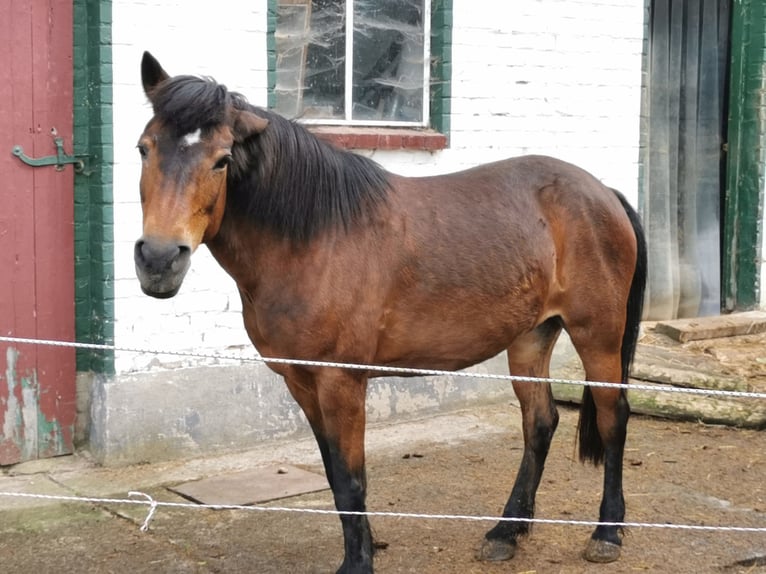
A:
x: 252, y: 486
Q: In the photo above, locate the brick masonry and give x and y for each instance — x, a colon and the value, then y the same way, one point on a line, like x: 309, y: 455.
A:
x: 94, y: 223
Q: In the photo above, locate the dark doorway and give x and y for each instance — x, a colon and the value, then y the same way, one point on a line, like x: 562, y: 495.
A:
x: 684, y: 110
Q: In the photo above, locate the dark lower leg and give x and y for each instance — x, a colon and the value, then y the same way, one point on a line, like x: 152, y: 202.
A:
x: 334, y: 406
x: 613, y: 502
x: 528, y: 355
x: 521, y: 503
x: 349, y: 490
x: 341, y: 400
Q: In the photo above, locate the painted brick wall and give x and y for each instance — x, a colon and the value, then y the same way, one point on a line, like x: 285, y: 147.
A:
x: 560, y: 77
x: 94, y: 231
x: 188, y: 38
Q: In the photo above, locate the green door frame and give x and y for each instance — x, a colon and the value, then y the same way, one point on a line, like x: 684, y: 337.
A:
x: 93, y: 210
x: 745, y: 164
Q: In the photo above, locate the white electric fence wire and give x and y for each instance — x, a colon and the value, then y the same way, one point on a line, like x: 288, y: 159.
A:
x: 154, y: 504
x: 385, y: 369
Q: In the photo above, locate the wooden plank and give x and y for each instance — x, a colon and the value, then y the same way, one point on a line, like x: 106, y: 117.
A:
x: 18, y: 439
x: 52, y: 36
x: 684, y: 330
x: 740, y: 412
x: 674, y: 366
x: 717, y: 364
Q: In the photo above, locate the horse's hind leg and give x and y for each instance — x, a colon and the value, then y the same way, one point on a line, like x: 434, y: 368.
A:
x: 529, y: 355
x: 602, y: 431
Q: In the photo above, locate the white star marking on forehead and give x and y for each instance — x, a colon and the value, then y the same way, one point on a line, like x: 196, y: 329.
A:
x: 192, y: 138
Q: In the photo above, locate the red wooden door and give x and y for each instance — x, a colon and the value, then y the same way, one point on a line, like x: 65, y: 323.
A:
x: 37, y: 383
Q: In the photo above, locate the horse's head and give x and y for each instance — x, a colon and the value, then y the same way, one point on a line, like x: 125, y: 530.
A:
x: 185, y: 153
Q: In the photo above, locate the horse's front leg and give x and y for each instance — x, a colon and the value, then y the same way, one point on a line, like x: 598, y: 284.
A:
x: 539, y: 423
x: 334, y: 404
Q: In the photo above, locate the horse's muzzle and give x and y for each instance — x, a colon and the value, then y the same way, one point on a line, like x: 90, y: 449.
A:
x: 161, y: 266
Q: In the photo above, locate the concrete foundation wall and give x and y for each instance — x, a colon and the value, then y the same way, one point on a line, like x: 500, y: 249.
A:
x: 192, y: 412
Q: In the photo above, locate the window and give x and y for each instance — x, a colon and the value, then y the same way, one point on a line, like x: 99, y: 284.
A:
x: 388, y: 46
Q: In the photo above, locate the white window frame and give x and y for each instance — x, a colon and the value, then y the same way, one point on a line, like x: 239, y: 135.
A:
x: 349, y: 79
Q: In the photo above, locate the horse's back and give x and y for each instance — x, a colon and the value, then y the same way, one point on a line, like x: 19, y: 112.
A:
x: 517, y: 176
x: 491, y: 252
x: 515, y: 211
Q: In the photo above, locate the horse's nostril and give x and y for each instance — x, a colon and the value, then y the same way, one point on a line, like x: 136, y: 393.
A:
x: 138, y: 251
x: 161, y: 265
x: 159, y: 256
x: 181, y: 259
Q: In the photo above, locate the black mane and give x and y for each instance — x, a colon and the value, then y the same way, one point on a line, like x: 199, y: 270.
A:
x: 185, y: 103
x: 285, y: 178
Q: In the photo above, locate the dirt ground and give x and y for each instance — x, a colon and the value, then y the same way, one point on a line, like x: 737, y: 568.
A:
x: 675, y: 472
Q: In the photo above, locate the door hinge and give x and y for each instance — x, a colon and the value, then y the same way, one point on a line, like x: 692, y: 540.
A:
x: 60, y: 160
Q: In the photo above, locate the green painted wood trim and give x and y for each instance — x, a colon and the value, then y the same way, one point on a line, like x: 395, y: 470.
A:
x: 745, y: 166
x: 441, y: 66
x: 441, y: 62
x: 93, y: 209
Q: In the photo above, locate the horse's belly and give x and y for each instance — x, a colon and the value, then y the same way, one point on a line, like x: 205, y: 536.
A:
x: 443, y: 345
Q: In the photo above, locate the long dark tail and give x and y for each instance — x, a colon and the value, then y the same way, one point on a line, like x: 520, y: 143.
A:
x: 591, y: 447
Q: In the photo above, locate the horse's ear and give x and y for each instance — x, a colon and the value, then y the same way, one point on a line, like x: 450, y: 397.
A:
x: 246, y: 124
x: 151, y: 74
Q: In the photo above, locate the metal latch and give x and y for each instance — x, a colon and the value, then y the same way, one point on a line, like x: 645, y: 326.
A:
x: 60, y: 160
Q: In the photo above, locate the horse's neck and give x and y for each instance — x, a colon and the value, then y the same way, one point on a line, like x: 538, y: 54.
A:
x: 239, y: 248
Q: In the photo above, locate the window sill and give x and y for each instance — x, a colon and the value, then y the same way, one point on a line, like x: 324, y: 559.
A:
x: 374, y: 138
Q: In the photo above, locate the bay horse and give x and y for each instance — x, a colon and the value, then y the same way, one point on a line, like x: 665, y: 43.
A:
x: 338, y: 260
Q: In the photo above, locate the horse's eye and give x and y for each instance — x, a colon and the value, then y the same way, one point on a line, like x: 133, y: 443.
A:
x: 142, y: 150
x: 222, y: 163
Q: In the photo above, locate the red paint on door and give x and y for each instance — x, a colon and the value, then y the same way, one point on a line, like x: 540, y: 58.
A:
x: 37, y: 383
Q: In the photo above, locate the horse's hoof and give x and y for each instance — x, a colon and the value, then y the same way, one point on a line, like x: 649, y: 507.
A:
x: 494, y: 550
x: 601, y: 551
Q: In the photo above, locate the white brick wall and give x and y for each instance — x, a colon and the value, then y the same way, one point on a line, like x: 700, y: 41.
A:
x: 560, y: 77
x: 187, y: 38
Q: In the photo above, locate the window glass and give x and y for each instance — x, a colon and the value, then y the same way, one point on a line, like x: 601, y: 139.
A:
x: 311, y: 58
x: 388, y: 74
x: 388, y: 60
